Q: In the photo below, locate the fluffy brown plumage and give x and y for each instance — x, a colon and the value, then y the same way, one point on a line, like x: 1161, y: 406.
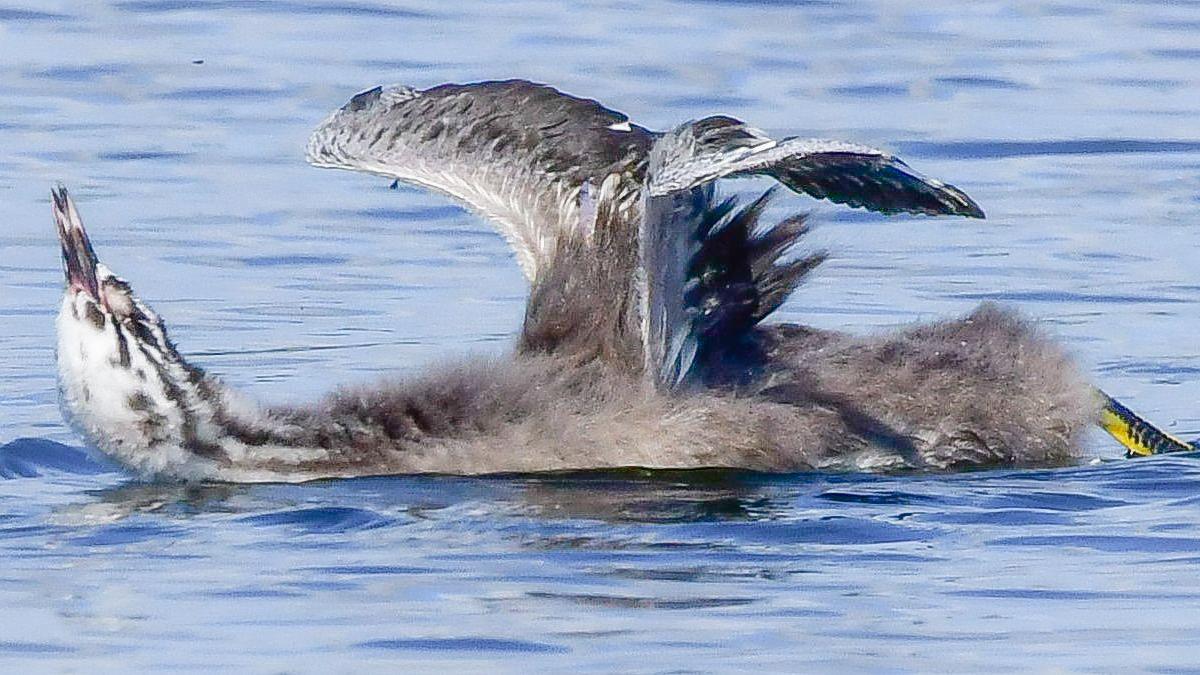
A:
x: 984, y: 390
x: 642, y: 344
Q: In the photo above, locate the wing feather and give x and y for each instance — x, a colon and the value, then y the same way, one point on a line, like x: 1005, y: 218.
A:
x: 845, y: 173
x: 515, y: 151
x: 713, y: 273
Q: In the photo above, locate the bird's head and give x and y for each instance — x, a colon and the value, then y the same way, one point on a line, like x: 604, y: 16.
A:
x: 100, y: 312
x: 122, y: 383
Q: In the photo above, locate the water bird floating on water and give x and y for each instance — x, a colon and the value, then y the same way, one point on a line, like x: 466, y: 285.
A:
x: 642, y: 344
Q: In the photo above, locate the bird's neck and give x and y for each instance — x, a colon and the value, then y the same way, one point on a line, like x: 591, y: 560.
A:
x: 132, y: 395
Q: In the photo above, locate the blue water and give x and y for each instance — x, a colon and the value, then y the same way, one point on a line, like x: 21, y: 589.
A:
x: 179, y: 127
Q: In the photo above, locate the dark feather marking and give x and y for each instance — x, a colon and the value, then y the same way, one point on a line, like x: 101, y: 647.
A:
x: 122, y: 344
x: 420, y: 422
x: 363, y: 99
x: 95, y: 316
x: 191, y: 441
x: 153, y: 423
x: 139, y: 401
x: 736, y: 281
x: 856, y: 419
x: 207, y: 392
x: 768, y: 245
x: 777, y: 282
x: 144, y: 335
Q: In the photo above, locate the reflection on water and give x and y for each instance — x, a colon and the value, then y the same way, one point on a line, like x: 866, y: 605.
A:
x: 612, y: 570
x: 181, y: 126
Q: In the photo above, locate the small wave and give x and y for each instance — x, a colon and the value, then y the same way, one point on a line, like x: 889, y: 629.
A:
x: 693, y: 574
x: 1134, y: 367
x: 322, y: 520
x: 1059, y: 297
x: 1046, y: 500
x: 980, y: 82
x: 86, y: 73
x: 637, y: 602
x: 370, y: 570
x: 1107, y: 543
x: 31, y: 531
x: 260, y: 7
x: 132, y: 533
x: 405, y: 215
x: 143, y: 155
x: 466, y: 644
x: 297, y: 260
x: 894, y: 497
x: 1003, y: 517
x: 29, y: 648
x: 1065, y: 594
x: 251, y: 593
x: 826, y: 530
x: 984, y: 149
x: 870, y: 90
x: 32, y: 457
x: 221, y: 94
x: 16, y: 15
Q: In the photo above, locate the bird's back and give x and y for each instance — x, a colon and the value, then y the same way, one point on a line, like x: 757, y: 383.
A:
x: 986, y: 389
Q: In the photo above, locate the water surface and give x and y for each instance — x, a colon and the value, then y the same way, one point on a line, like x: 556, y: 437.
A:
x: 179, y: 127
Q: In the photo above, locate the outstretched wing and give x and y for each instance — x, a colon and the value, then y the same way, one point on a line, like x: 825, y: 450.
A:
x: 710, y: 272
x: 714, y: 147
x: 515, y: 151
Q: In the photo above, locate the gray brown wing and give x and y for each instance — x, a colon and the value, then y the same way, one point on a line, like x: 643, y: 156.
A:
x: 709, y: 272
x: 846, y: 173
x: 515, y: 151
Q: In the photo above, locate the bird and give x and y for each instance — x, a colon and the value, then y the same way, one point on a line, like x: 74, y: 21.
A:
x: 643, y: 342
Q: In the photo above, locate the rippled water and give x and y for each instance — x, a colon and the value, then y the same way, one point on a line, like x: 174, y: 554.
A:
x: 179, y: 126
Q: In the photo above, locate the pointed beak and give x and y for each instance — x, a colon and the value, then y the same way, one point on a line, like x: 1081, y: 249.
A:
x: 79, y: 260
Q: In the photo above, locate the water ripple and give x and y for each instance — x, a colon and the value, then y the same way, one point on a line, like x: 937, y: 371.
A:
x: 30, y: 457
x: 627, y: 602
x: 29, y: 648
x: 25, y: 15
x: 129, y: 533
x: 181, y: 124
x: 1108, y: 544
x: 997, y: 149
x: 1059, y: 297
x: 321, y: 520
x: 467, y: 645
x: 285, y: 7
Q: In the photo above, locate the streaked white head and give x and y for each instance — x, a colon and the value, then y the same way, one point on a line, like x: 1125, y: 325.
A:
x: 122, y: 384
